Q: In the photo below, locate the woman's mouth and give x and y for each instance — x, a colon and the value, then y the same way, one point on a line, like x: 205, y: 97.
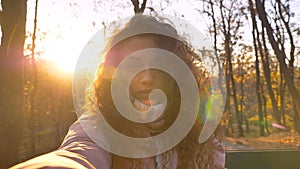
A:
x: 144, y: 94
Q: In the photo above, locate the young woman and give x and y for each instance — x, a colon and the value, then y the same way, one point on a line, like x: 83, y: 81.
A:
x: 81, y: 147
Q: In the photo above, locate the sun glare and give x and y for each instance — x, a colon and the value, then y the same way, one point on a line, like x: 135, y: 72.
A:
x: 64, y: 56
x: 65, y: 63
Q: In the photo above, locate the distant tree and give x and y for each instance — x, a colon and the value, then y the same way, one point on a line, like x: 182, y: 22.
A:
x: 208, y: 9
x: 257, y: 69
x: 230, y: 17
x: 12, y: 20
x: 284, y: 27
x: 34, y: 81
x: 226, y: 21
x: 264, y: 52
x: 242, y: 66
x: 281, y: 57
x: 264, y: 55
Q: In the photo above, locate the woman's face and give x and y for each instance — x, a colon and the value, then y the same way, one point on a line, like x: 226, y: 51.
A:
x: 147, y: 80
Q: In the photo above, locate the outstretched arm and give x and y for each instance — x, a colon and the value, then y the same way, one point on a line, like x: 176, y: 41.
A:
x: 76, y: 151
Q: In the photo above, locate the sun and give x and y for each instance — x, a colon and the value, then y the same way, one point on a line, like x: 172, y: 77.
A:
x: 65, y: 65
x: 63, y: 56
x: 64, y: 62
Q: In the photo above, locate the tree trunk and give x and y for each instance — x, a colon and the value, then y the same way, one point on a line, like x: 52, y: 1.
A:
x: 13, y: 19
x: 265, y: 111
x: 227, y: 35
x: 267, y: 73
x: 242, y: 102
x: 282, y: 99
x: 289, y: 32
x: 34, y: 81
x: 228, y: 127
x: 292, y: 57
x: 280, y: 55
x: 258, y: 88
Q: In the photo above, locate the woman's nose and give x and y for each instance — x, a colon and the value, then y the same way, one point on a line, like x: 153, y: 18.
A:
x: 147, y: 77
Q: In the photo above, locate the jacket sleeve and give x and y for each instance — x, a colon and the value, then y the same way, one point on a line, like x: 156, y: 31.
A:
x: 76, y: 151
x: 77, y: 141
x: 218, y: 155
x: 59, y: 159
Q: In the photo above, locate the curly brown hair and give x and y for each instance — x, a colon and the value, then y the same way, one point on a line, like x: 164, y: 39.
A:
x: 190, y: 153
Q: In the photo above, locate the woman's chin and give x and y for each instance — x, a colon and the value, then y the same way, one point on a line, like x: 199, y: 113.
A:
x: 146, y: 102
x: 149, y: 102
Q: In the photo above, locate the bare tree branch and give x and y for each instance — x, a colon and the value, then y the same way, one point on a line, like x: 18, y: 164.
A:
x: 136, y: 5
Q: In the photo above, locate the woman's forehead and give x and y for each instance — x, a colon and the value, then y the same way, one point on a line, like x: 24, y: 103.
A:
x: 127, y: 47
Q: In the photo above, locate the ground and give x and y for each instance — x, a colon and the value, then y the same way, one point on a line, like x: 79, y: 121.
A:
x: 277, y: 140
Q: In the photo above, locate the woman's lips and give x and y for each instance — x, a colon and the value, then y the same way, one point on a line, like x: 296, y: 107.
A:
x: 144, y: 93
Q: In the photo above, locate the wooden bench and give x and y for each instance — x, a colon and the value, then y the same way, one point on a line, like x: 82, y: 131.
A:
x: 263, y: 159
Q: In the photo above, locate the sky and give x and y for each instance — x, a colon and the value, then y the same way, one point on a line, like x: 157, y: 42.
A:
x: 64, y: 27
